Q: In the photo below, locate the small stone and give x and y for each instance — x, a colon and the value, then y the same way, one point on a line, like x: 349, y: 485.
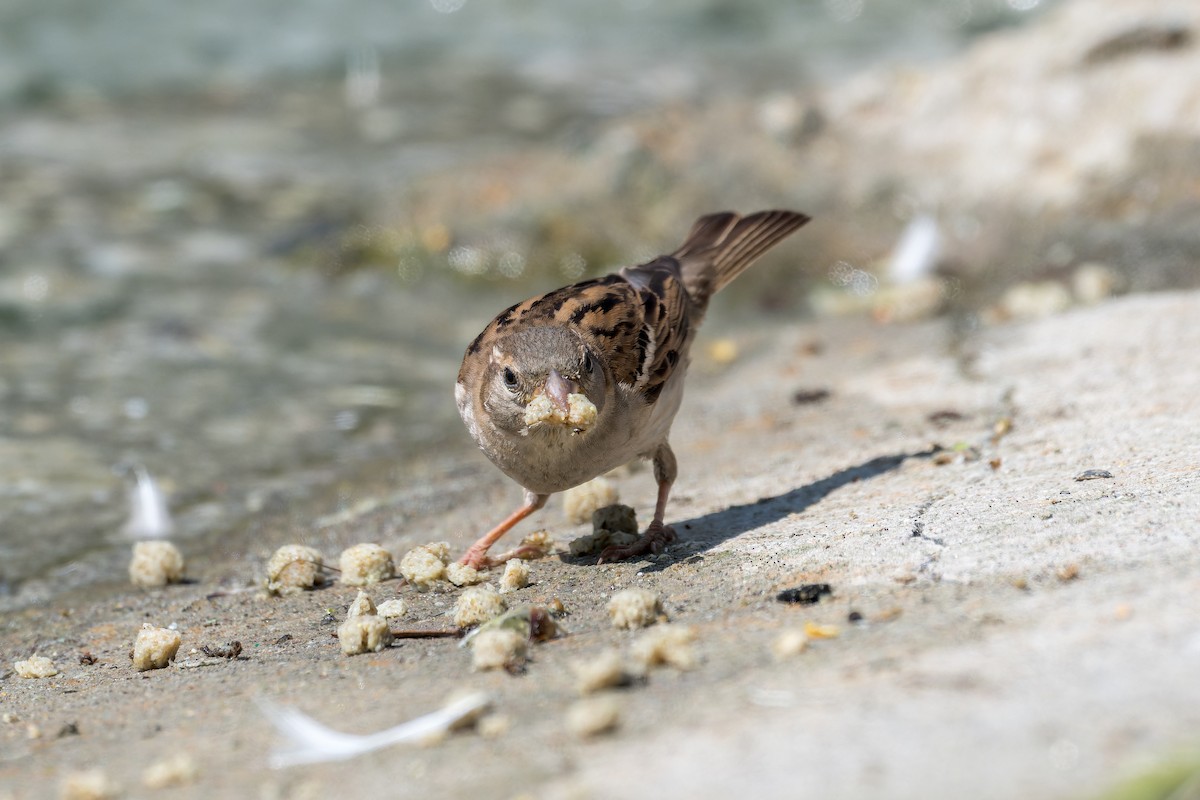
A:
x: 365, y: 564
x: 807, y: 594
x: 615, y: 518
x: 155, y: 563
x: 1093, y: 474
x: 155, y: 648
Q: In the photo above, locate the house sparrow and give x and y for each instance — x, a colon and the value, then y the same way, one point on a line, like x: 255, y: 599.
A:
x: 573, y: 383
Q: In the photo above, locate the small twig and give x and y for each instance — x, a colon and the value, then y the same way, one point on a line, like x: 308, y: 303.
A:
x: 452, y: 633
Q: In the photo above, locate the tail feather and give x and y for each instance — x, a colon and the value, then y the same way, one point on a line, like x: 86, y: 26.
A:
x: 721, y: 246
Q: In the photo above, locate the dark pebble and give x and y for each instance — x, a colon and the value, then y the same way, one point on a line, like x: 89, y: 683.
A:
x: 807, y: 594
x: 1093, y: 474
x: 805, y: 396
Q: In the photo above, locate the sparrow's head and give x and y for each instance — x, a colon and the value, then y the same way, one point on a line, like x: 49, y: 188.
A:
x: 543, y: 379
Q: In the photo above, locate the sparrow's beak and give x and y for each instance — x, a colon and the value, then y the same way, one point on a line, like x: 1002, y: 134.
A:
x: 558, y: 388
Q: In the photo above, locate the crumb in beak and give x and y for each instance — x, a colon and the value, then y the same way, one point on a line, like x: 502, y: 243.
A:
x: 580, y: 413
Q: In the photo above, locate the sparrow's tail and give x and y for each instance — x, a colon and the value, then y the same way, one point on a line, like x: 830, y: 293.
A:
x: 721, y: 246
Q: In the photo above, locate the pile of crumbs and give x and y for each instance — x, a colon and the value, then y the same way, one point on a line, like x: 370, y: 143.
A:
x: 364, y: 631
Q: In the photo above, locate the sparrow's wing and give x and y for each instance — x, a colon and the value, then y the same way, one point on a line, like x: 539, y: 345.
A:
x: 721, y: 246
x: 636, y: 321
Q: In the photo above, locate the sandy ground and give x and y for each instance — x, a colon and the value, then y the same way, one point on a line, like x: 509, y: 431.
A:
x: 1022, y: 633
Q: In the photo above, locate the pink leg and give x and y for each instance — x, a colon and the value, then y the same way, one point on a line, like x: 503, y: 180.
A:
x: 657, y: 535
x: 476, y: 555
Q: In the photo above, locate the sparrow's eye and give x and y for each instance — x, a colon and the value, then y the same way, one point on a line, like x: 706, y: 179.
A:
x: 510, y: 378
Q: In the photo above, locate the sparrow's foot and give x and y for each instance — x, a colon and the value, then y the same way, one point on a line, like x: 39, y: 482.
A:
x: 477, y: 558
x: 528, y: 552
x: 654, y: 540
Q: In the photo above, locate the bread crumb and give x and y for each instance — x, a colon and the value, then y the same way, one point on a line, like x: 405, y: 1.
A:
x: 424, y: 565
x: 36, y: 667
x: 789, y: 643
x: 155, y: 648
x: 477, y: 605
x: 669, y: 645
x: 177, y: 770
x: 294, y: 568
x: 580, y: 413
x: 593, y: 716
x: 155, y: 563
x: 392, y: 609
x: 815, y: 631
x: 603, y: 671
x: 364, y: 634
x: 365, y: 564
x: 580, y: 502
x: 463, y: 574
x: 498, y: 649
x: 634, y: 608
x: 92, y: 784
x: 361, y: 607
x: 516, y: 576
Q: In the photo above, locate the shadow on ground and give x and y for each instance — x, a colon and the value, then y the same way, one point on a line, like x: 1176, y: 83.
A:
x: 720, y: 526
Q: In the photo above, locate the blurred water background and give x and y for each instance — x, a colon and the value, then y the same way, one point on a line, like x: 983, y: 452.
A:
x: 242, y: 245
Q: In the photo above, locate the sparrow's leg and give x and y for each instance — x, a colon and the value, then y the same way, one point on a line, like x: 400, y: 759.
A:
x: 476, y: 555
x: 657, y: 536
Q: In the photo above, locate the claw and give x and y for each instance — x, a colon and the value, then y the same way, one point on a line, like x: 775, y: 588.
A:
x: 654, y: 540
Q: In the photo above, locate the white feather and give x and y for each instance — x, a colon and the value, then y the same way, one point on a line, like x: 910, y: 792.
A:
x: 149, y: 517
x: 310, y: 742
